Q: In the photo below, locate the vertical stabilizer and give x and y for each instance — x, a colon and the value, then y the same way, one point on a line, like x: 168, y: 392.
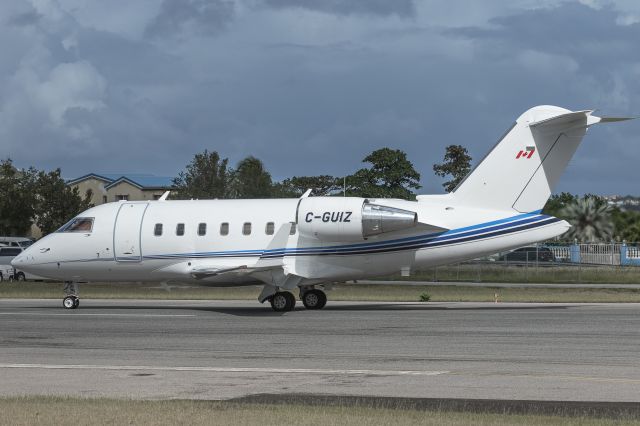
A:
x: 523, y: 168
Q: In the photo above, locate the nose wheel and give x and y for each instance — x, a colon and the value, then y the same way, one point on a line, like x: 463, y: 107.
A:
x: 71, y: 299
x: 70, y: 302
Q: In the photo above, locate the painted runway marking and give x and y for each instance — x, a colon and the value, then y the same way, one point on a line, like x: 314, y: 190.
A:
x: 37, y: 314
x: 228, y: 369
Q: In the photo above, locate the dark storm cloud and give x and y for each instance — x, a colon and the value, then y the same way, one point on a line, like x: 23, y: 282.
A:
x: 25, y: 19
x: 591, y: 35
x: 350, y: 7
x: 208, y: 17
x: 308, y: 93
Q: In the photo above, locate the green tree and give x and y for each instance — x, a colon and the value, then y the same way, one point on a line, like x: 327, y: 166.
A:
x: 298, y: 185
x: 56, y: 202
x: 251, y: 180
x: 626, y: 224
x: 457, y: 164
x: 590, y: 220
x: 391, y: 175
x: 207, y: 176
x: 557, y: 202
x: 17, y: 199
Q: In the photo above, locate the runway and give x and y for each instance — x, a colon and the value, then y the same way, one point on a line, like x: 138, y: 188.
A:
x: 228, y: 349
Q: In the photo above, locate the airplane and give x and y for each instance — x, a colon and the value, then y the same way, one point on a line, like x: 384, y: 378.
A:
x: 310, y: 243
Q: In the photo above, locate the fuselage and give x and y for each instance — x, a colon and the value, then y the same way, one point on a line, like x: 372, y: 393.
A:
x: 169, y: 240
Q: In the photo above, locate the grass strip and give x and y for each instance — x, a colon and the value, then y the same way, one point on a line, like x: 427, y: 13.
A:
x: 36, y: 410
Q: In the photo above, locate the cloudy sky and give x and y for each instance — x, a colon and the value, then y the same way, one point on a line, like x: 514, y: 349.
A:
x: 311, y: 86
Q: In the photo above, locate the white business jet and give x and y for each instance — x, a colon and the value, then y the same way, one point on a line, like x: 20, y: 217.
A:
x: 308, y: 244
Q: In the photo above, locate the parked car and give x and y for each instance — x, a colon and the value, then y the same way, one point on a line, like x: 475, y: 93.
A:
x: 6, y: 256
x: 23, y: 242
x: 529, y: 254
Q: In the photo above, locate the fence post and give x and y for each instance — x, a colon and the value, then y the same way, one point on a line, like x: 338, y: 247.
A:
x: 575, y: 252
x: 611, y: 253
x: 624, y: 259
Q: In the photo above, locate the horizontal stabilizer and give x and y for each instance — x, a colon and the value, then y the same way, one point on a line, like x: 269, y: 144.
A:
x: 615, y: 119
x: 562, y: 119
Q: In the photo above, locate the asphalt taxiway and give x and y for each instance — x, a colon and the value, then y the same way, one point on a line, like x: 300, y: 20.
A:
x: 228, y: 349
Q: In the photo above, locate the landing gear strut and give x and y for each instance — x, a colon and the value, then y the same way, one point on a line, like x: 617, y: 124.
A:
x: 71, y: 299
x: 313, y: 299
x: 283, y: 301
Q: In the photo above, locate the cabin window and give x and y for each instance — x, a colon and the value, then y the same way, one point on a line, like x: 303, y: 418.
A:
x: 202, y: 229
x: 292, y: 231
x: 224, y: 228
x: 79, y: 224
x: 157, y: 230
x: 269, y: 228
x: 180, y: 229
x: 246, y: 228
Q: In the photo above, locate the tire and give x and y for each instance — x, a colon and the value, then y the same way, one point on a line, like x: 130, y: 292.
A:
x: 20, y: 276
x: 292, y: 300
x: 76, y: 304
x: 314, y: 299
x: 282, y: 301
x: 70, y: 302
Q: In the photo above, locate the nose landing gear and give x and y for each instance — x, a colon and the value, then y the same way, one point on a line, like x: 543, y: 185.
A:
x: 71, y: 299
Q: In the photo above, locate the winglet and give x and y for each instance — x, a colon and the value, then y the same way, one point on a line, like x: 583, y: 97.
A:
x: 278, y: 243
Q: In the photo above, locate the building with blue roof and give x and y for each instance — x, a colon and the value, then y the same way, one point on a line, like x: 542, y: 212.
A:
x: 106, y: 187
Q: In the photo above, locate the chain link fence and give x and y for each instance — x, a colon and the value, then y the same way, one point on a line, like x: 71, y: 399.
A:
x: 615, y: 262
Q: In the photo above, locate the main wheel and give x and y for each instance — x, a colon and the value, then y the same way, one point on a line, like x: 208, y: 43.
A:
x: 70, y: 302
x: 292, y: 300
x: 20, y: 276
x: 314, y: 299
x: 283, y: 301
x: 75, y: 306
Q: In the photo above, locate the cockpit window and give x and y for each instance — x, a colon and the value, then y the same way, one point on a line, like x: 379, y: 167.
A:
x: 79, y: 224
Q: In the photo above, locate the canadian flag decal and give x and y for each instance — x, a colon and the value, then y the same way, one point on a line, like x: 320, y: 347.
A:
x: 527, y: 153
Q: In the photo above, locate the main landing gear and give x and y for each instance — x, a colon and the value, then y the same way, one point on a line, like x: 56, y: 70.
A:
x: 312, y: 298
x: 283, y: 301
x: 71, y: 299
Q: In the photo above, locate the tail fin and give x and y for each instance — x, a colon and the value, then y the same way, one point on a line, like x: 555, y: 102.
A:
x: 523, y: 168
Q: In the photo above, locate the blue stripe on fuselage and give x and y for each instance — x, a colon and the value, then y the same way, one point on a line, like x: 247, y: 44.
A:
x: 464, y: 234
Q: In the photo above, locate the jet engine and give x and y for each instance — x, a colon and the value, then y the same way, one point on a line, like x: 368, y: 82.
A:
x: 344, y: 219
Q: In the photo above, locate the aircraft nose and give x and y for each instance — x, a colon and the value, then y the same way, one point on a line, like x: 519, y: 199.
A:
x: 20, y: 260
x: 24, y: 259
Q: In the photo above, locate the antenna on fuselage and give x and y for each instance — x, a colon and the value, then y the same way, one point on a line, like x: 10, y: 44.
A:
x: 164, y: 196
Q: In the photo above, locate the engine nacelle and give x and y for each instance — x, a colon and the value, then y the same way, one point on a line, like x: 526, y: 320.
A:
x: 349, y: 219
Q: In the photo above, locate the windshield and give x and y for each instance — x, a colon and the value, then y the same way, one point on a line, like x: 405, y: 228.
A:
x: 79, y: 224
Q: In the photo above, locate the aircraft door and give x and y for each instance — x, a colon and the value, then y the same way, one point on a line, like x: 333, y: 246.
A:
x: 126, y: 232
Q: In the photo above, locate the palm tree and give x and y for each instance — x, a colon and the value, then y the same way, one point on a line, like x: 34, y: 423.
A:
x: 590, y: 220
